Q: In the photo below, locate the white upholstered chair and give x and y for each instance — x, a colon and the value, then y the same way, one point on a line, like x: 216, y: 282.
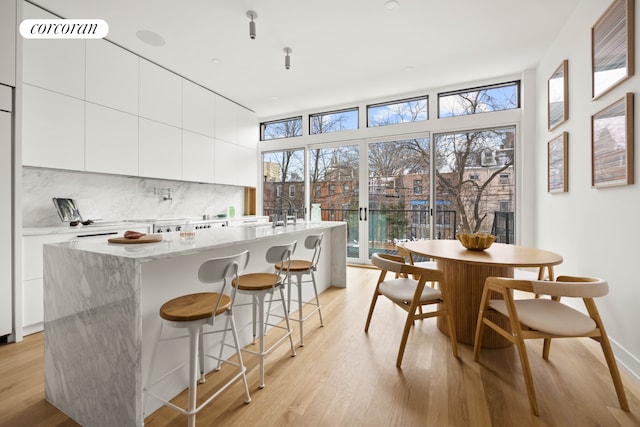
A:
x: 547, y: 319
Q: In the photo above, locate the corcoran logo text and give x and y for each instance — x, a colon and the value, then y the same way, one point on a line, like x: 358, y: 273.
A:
x: 64, y: 29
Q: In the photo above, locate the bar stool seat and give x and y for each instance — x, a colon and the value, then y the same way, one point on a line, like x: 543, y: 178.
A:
x: 263, y: 285
x: 195, y: 307
x: 193, y: 312
x: 299, y: 268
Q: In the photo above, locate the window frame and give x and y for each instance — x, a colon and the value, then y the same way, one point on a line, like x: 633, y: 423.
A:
x: 263, y: 126
x: 326, y: 113
x: 517, y: 83
x: 395, y: 102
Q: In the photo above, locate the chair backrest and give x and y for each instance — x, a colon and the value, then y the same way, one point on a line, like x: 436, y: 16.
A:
x: 572, y: 286
x: 223, y: 269
x: 387, y: 262
x: 314, y: 242
x: 281, y: 254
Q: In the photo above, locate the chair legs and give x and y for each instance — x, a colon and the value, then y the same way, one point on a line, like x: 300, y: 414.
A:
x: 196, y: 368
x: 260, y: 322
x: 300, y: 319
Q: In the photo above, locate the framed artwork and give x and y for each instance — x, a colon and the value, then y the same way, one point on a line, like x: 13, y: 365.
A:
x: 612, y: 144
x: 558, y: 160
x: 612, y: 47
x: 558, y: 95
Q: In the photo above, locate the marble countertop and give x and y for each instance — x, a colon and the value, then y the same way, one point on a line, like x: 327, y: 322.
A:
x: 98, y: 227
x: 82, y: 229
x: 206, y: 239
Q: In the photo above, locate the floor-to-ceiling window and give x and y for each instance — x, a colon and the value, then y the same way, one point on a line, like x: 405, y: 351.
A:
x: 407, y: 176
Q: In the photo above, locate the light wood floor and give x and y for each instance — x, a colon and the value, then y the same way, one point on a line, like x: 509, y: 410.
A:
x: 344, y: 377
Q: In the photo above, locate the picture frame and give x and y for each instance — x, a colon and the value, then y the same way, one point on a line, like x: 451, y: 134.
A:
x: 558, y: 96
x: 612, y: 144
x: 612, y: 47
x: 558, y: 161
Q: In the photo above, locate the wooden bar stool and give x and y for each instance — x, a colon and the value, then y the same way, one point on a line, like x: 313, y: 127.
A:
x: 298, y: 268
x: 261, y: 285
x: 193, y: 312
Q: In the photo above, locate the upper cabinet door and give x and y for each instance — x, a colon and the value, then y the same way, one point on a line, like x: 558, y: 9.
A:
x: 160, y: 150
x: 112, y: 76
x: 8, y: 42
x: 247, y: 128
x: 226, y: 120
x: 52, y: 130
x: 55, y: 64
x: 111, y: 141
x: 248, y: 164
x: 197, y: 157
x: 226, y: 169
x: 160, y: 94
x: 198, y: 108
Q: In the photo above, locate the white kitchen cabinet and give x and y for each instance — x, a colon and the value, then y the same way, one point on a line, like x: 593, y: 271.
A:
x: 197, y: 157
x: 52, y: 129
x: 226, y: 163
x: 55, y: 64
x: 112, y: 76
x: 32, y: 268
x: 6, y: 229
x: 198, y: 108
x: 111, y: 141
x: 226, y: 124
x: 247, y: 166
x: 8, y: 42
x: 160, y: 150
x: 160, y: 94
x: 248, y: 128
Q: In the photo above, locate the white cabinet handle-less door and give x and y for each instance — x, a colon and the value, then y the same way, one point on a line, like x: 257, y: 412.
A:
x: 5, y: 225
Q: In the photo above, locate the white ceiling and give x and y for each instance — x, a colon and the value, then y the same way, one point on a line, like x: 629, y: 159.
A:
x: 343, y: 50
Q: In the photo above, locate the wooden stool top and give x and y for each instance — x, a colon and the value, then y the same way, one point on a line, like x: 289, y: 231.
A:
x: 194, y: 307
x: 295, y: 265
x: 257, y: 281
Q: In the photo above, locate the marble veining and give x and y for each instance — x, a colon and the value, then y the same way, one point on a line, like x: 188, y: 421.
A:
x: 101, y: 312
x: 121, y: 197
x: 86, y: 293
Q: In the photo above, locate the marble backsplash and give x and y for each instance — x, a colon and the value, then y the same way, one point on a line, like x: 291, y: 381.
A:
x: 121, y: 197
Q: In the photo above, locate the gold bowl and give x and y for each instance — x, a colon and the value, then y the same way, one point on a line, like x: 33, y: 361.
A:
x: 476, y: 241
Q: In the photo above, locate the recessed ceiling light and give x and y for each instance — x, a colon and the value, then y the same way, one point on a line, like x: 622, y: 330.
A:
x: 150, y: 38
x: 391, y: 4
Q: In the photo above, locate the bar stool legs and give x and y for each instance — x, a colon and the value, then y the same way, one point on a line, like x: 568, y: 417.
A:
x: 259, y: 286
x: 192, y: 313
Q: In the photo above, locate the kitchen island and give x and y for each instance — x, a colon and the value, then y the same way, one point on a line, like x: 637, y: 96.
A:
x: 101, y: 305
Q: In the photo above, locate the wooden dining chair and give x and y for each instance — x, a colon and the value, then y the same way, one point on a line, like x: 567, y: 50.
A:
x: 408, y: 256
x: 411, y: 295
x: 545, y: 318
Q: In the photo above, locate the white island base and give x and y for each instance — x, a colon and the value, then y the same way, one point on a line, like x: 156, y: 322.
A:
x: 101, y: 305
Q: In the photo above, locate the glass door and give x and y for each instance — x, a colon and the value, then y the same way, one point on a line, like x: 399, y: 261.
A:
x: 398, y: 193
x: 283, y: 187
x: 334, y: 184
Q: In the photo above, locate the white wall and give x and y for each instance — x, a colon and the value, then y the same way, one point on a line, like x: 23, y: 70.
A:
x: 595, y: 230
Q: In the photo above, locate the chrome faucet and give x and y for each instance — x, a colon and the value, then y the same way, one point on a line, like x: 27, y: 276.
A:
x: 166, y: 193
x: 285, y: 214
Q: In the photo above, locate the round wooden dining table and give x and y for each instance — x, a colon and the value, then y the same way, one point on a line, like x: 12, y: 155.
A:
x: 465, y: 272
